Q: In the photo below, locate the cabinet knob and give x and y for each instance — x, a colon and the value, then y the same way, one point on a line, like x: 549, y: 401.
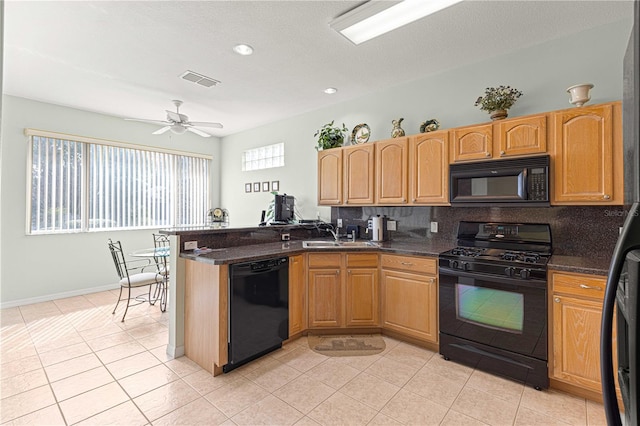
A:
x: 556, y: 299
x: 590, y: 287
x: 432, y: 280
x: 349, y: 271
x: 487, y: 154
x: 414, y: 200
x: 338, y: 272
x: 606, y: 196
x: 502, y: 153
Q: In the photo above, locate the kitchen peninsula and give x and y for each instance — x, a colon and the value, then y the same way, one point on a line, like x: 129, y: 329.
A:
x: 198, y: 289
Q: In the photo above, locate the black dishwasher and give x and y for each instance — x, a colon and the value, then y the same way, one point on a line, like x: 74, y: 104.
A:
x: 258, y: 309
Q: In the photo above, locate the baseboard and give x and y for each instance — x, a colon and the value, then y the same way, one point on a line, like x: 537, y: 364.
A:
x: 54, y: 296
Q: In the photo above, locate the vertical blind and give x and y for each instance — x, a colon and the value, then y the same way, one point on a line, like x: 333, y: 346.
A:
x: 81, y: 186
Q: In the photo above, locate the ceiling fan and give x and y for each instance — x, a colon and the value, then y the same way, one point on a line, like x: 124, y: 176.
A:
x: 179, y: 123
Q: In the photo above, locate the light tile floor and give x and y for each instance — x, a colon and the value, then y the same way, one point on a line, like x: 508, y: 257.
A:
x: 70, y: 362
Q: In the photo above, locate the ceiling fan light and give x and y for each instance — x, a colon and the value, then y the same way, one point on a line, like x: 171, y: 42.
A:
x: 178, y: 129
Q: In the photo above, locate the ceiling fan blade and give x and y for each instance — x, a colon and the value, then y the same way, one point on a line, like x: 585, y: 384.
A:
x: 142, y: 120
x: 161, y: 131
x: 198, y: 132
x: 174, y: 116
x: 206, y: 124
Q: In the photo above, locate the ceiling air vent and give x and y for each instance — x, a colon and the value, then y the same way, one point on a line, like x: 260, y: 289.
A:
x: 200, y: 79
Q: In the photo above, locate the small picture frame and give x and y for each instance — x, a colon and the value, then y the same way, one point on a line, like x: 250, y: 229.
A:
x: 247, y: 187
x: 275, y: 185
x: 256, y: 186
x: 265, y: 186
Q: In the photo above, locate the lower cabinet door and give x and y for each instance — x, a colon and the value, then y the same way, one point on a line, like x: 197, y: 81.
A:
x: 362, y: 297
x: 410, y: 304
x: 297, y: 295
x: 325, y: 298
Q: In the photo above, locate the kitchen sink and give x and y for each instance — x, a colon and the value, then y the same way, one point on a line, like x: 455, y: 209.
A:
x: 338, y: 244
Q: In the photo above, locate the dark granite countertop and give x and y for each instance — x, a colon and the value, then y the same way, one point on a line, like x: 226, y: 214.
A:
x: 410, y: 246
x: 583, y: 265
x: 262, y: 251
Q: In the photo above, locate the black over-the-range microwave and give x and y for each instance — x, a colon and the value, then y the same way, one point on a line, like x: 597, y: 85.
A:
x: 520, y: 182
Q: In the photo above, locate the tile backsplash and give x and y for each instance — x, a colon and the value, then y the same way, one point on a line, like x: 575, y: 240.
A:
x: 575, y: 230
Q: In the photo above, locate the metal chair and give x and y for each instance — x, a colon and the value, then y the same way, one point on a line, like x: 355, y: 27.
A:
x: 161, y: 243
x: 131, y: 280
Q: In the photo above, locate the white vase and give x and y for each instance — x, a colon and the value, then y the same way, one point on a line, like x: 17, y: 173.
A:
x: 580, y: 94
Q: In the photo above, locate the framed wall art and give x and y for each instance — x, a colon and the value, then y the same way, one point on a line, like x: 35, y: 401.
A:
x: 275, y: 185
x: 256, y: 186
x: 247, y: 187
x: 265, y: 186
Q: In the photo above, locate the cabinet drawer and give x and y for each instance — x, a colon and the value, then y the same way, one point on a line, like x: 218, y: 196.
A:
x: 425, y: 265
x: 324, y: 260
x: 355, y: 260
x: 578, y: 284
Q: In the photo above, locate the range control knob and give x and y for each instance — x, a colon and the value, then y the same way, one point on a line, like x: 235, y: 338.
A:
x: 464, y: 266
x: 509, y: 271
x: 525, y: 273
x: 453, y: 264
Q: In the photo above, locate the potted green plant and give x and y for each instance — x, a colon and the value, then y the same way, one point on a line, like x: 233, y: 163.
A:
x: 497, y: 100
x: 330, y: 136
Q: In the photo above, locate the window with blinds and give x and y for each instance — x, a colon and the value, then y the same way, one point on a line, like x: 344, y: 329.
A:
x: 80, y: 186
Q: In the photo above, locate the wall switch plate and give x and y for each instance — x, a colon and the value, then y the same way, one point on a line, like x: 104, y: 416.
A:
x: 434, y: 227
x: 391, y: 225
x: 190, y: 245
x: 339, y: 223
x: 285, y: 237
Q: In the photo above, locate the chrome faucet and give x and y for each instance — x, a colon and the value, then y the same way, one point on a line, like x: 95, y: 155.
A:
x: 335, y: 235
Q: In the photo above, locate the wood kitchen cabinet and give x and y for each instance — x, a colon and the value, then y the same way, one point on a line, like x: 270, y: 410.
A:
x: 429, y: 168
x: 576, y: 312
x: 520, y: 136
x: 297, y: 295
x: 392, y: 180
x: 410, y: 296
x: 359, y: 174
x: 330, y: 177
x: 343, y: 290
x: 472, y: 143
x: 587, y: 159
x: 503, y: 138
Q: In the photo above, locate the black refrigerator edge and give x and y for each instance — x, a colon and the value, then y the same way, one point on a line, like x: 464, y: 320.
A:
x: 623, y: 281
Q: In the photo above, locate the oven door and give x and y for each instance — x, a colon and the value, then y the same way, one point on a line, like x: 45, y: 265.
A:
x: 501, y: 312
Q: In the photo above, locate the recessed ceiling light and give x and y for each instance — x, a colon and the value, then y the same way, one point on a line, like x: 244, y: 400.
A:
x: 330, y: 90
x: 243, y: 49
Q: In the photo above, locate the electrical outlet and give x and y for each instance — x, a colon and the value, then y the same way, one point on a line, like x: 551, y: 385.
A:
x: 391, y: 225
x: 190, y: 245
x: 434, y: 227
x: 339, y: 223
x: 285, y: 237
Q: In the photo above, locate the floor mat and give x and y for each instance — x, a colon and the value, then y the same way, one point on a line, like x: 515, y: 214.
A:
x: 349, y: 345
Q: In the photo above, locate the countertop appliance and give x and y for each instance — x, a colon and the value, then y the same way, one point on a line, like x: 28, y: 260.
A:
x: 623, y: 281
x: 377, y: 226
x: 520, y: 182
x: 258, y: 309
x: 493, y: 299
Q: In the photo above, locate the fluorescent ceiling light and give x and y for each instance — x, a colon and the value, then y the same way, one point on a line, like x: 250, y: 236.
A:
x: 375, y: 18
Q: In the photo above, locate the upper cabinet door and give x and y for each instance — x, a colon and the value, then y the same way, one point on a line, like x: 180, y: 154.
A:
x: 429, y: 168
x: 472, y: 142
x: 391, y: 171
x: 359, y: 171
x: 521, y: 136
x: 588, y: 163
x: 330, y: 177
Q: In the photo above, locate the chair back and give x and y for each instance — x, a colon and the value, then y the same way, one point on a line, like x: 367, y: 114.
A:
x: 160, y: 241
x: 118, y: 258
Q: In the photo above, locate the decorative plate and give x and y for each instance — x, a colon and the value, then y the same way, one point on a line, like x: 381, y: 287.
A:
x: 429, y: 125
x: 360, y: 134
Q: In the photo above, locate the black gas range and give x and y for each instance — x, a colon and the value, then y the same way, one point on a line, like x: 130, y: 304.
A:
x: 493, y: 299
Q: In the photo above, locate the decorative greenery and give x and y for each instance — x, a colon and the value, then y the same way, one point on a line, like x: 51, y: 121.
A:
x: 496, y: 98
x: 329, y: 136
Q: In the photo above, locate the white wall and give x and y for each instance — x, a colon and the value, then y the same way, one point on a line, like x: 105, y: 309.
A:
x: 542, y: 72
x: 38, y: 267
